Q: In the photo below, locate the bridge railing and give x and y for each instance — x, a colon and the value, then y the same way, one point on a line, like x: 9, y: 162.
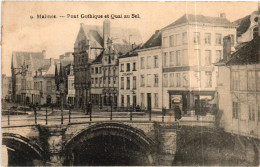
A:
x: 48, y: 115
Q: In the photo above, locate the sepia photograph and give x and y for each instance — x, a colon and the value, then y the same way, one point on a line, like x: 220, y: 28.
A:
x: 130, y: 83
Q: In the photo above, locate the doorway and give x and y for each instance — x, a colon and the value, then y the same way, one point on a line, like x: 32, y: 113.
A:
x: 149, y: 102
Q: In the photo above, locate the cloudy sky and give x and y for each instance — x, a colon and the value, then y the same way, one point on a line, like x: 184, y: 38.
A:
x: 57, y: 36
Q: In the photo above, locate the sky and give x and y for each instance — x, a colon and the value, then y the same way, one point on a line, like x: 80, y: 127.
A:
x: 57, y: 36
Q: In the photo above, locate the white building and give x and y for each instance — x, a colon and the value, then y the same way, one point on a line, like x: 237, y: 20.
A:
x: 71, y: 88
x: 150, y: 74
x: 128, y: 80
x: 190, y: 46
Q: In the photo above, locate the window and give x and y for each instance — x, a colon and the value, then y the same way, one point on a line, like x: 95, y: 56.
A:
x: 165, y: 80
x: 235, y: 110
x: 235, y: 80
x: 243, y: 80
x: 196, y: 38
x: 128, y: 100
x: 142, y: 62
x: 198, y: 60
x: 208, y: 79
x: 92, y: 70
x: 251, y: 80
x: 178, y: 38
x: 171, y: 58
x: 251, y: 112
x: 184, y: 38
x: 156, y: 105
x: 149, y: 80
x: 178, y: 80
x: 96, y: 70
x: 134, y: 66
x: 127, y: 82
x: 171, y: 79
x: 92, y: 81
x: 208, y: 57
x: 122, y: 100
x: 178, y: 58
x: 134, y: 82
x: 142, y: 100
x: 258, y: 80
x: 142, y: 81
x: 165, y: 42
x: 122, y: 82
x: 109, y: 71
x: 128, y: 67
x: 185, y: 79
x: 104, y: 81
x: 207, y: 38
x: 109, y: 81
x: 185, y: 59
x: 218, y: 39
x: 156, y: 65
x: 171, y: 40
x: 48, y: 86
x: 122, y: 67
x: 100, y: 80
x: 165, y: 59
x: 100, y: 70
x: 114, y: 80
x: 218, y: 55
x: 156, y: 80
x: 96, y: 81
x: 148, y: 62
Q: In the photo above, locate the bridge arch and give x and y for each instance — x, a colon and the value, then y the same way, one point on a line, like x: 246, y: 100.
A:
x: 201, y: 146
x: 21, y: 151
x: 112, y: 144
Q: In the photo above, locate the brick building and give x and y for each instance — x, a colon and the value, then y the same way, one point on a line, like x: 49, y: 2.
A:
x: 103, y: 45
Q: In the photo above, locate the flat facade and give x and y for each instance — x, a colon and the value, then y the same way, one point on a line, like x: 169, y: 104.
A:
x: 239, y: 99
x: 189, y: 51
x: 150, y: 78
x: 6, y: 87
x: 128, y: 81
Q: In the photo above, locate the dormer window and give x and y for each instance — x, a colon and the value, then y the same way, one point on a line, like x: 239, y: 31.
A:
x: 256, y: 19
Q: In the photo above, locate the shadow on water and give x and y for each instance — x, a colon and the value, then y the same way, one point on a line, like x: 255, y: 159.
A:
x: 109, y: 150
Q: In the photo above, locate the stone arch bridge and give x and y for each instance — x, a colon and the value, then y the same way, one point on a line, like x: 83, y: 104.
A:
x: 121, y: 143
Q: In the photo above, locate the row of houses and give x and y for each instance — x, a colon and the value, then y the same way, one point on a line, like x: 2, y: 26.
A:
x: 194, y: 61
x: 34, y: 77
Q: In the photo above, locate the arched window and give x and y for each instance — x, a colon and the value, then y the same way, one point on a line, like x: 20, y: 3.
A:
x: 255, y: 32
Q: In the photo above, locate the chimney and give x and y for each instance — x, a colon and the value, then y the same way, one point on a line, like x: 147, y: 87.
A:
x: 258, y: 18
x: 44, y: 54
x: 106, y: 32
x: 227, y: 47
x: 222, y: 15
x: 52, y: 61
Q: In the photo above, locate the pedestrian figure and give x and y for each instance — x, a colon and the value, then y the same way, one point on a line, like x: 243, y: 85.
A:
x: 89, y: 108
x: 177, y: 113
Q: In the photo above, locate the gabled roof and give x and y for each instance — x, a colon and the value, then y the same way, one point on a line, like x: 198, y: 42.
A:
x: 155, y: 40
x: 190, y: 18
x: 243, y: 24
x: 247, y: 54
x: 99, y: 58
x: 118, y: 34
x: 35, y: 59
x: 132, y: 52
